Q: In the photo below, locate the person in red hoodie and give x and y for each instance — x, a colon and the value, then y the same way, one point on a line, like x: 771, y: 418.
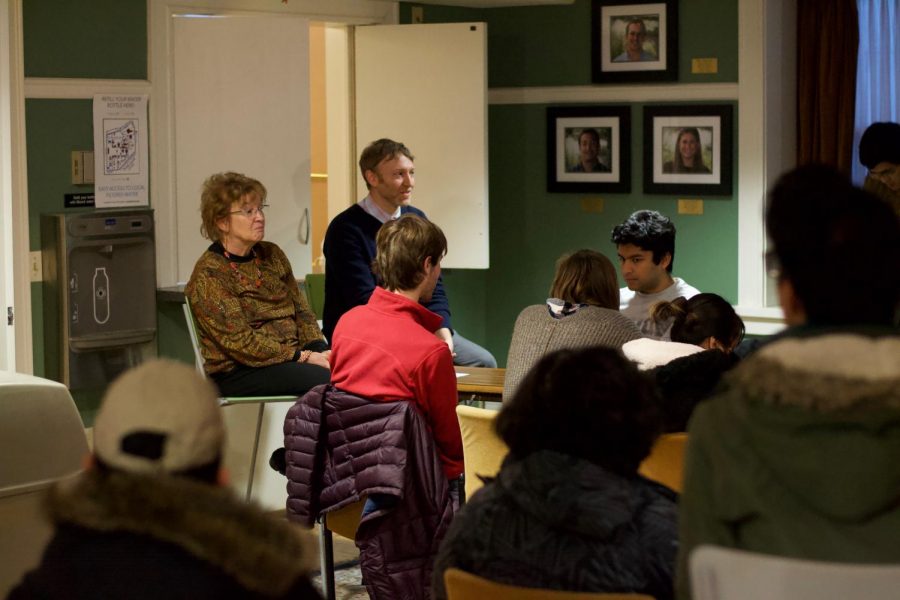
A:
x: 386, y: 349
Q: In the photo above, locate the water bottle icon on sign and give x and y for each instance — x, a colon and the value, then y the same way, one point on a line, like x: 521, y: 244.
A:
x: 101, y: 295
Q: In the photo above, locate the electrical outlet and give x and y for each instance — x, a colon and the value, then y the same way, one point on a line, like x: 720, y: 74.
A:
x: 36, y: 270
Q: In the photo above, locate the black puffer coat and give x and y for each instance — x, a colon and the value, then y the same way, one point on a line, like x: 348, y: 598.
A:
x: 120, y: 535
x: 554, y: 521
x: 356, y: 447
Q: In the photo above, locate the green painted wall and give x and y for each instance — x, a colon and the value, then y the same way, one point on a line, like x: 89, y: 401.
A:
x: 529, y: 227
x: 527, y: 46
x: 96, y: 39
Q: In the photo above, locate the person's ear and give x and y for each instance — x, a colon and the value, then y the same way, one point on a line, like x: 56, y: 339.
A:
x: 428, y: 265
x: 371, y: 177
x: 794, y: 312
x: 224, y: 224
x: 666, y: 260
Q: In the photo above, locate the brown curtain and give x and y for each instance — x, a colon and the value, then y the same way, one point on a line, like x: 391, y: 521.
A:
x: 827, y: 43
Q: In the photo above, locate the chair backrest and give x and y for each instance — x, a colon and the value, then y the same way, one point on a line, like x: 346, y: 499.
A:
x: 465, y: 586
x: 42, y: 440
x: 315, y: 293
x: 666, y: 461
x: 192, y: 332
x: 483, y: 450
x: 728, y: 574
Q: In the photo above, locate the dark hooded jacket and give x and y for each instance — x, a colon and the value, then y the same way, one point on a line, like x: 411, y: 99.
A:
x: 555, y: 521
x: 798, y: 454
x: 341, y: 448
x: 120, y: 535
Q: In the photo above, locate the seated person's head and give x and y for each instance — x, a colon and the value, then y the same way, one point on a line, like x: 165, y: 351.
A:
x: 835, y: 250
x: 879, y: 152
x: 407, y: 251
x: 223, y: 193
x: 378, y: 152
x: 160, y: 418
x: 586, y: 277
x: 706, y: 320
x: 645, y: 243
x: 592, y: 404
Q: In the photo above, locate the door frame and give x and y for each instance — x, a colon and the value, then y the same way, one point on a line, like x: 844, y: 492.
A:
x: 162, y: 116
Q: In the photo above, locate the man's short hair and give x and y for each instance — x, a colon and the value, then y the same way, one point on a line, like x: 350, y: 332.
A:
x: 636, y: 22
x: 880, y: 143
x: 401, y: 248
x: 378, y: 151
x: 838, y: 245
x: 648, y: 230
x: 591, y: 132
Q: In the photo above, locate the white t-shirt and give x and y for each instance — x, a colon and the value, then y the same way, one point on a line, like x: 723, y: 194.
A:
x: 636, y: 306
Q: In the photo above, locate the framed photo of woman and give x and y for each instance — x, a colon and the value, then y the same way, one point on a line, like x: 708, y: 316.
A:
x: 588, y: 149
x: 634, y: 40
x: 689, y: 150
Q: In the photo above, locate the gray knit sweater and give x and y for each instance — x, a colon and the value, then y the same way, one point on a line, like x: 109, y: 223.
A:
x: 538, y: 333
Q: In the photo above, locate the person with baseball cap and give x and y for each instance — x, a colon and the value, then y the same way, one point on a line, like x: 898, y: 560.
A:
x: 149, y: 516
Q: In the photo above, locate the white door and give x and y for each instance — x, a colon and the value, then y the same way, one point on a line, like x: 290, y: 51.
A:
x: 426, y: 86
x: 7, y: 333
x: 241, y: 100
x: 241, y: 103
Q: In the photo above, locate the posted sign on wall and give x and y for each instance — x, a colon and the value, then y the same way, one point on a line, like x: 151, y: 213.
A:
x: 121, y: 167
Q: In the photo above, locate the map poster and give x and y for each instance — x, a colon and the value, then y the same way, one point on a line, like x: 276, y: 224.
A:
x: 121, y: 168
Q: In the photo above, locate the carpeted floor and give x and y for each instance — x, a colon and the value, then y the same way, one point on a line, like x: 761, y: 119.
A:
x: 347, y: 583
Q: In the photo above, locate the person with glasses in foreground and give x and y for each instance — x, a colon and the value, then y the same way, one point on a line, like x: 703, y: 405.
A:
x: 258, y: 335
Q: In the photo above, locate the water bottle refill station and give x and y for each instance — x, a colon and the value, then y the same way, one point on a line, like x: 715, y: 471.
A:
x: 99, y: 294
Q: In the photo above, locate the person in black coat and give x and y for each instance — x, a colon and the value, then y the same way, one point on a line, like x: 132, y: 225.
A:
x: 568, y: 510
x: 147, y: 518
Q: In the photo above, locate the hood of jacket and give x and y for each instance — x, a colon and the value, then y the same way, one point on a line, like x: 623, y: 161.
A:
x: 818, y: 418
x: 572, y: 494
x: 262, y: 554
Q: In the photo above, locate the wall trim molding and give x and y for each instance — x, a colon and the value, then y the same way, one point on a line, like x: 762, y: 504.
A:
x: 618, y: 93
x: 81, y: 89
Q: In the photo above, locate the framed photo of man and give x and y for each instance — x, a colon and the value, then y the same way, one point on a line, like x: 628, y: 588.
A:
x: 689, y: 150
x: 588, y: 149
x: 634, y: 41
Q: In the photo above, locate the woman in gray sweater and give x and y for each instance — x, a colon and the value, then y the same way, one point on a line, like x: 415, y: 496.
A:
x: 582, y: 311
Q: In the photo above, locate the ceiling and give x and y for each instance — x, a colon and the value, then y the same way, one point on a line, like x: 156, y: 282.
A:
x: 489, y: 3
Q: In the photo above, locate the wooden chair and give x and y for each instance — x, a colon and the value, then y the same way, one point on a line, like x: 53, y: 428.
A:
x: 344, y: 522
x: 482, y: 449
x: 42, y: 441
x: 666, y: 461
x: 465, y: 586
x: 728, y: 574
x: 235, y: 457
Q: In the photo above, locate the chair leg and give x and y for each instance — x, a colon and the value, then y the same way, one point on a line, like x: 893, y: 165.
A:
x: 259, y: 421
x: 326, y: 560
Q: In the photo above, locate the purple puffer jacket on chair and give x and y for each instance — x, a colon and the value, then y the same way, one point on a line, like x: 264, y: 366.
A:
x: 356, y: 447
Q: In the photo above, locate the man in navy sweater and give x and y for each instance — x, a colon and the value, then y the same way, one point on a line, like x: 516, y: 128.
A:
x: 388, y: 169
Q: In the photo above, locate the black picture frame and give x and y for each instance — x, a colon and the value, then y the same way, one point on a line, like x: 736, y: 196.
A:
x: 611, y: 126
x: 658, y: 58
x: 665, y: 127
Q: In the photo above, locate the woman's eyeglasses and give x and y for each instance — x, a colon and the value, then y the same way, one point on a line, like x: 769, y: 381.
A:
x: 251, y: 212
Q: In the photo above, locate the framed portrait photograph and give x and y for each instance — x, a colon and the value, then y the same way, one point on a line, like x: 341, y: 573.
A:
x: 634, y: 41
x: 588, y: 149
x: 687, y: 150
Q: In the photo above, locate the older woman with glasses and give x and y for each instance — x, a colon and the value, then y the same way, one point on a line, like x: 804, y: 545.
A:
x: 258, y: 336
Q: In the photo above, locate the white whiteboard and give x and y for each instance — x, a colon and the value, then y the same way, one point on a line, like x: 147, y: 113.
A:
x: 426, y: 86
x: 241, y: 100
